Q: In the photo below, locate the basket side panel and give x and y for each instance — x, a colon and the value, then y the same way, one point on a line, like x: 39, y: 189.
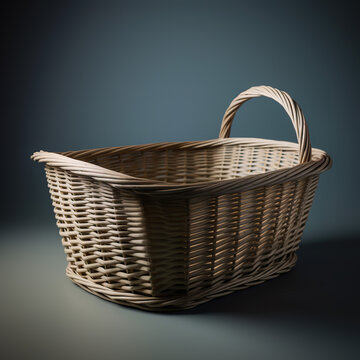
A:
x: 64, y: 189
x: 238, y: 235
x: 291, y: 212
x: 99, y: 227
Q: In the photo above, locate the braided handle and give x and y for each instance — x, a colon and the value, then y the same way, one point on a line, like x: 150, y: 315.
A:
x: 292, y: 108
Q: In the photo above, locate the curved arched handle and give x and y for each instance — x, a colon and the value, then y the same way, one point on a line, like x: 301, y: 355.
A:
x: 292, y: 108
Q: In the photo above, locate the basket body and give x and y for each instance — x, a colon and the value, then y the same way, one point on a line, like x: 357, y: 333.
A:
x: 169, y: 226
x: 176, y: 251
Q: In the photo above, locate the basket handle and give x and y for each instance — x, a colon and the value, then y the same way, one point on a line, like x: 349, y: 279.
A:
x: 291, y: 107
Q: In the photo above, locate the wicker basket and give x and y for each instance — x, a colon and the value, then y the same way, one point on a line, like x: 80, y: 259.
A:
x: 168, y: 226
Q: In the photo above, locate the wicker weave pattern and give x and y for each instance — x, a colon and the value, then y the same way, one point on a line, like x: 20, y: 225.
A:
x: 168, y: 226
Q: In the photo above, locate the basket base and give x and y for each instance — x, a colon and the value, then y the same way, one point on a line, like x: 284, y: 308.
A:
x: 188, y: 301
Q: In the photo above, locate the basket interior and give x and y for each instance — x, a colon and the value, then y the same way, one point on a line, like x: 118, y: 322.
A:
x: 192, y: 165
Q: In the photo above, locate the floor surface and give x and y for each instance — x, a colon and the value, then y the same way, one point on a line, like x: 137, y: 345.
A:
x: 310, y: 313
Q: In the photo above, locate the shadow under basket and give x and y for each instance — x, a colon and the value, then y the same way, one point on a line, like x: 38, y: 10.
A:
x: 168, y: 226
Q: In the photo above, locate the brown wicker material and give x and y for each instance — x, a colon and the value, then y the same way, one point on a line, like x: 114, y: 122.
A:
x: 171, y: 225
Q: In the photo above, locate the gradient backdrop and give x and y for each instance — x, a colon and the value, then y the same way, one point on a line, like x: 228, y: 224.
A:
x: 87, y: 74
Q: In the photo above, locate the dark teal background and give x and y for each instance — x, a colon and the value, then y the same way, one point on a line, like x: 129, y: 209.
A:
x: 86, y: 74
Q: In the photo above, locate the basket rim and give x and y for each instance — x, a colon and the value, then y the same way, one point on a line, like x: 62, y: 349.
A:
x: 181, y: 145
x: 68, y: 160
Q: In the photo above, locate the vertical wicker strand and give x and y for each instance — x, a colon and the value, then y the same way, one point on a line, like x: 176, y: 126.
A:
x: 237, y: 235
x: 288, y: 225
x: 258, y: 239
x: 212, y: 240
